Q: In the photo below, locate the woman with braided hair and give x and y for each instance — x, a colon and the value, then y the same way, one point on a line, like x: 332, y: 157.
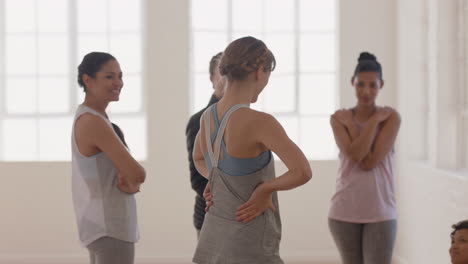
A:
x: 233, y: 151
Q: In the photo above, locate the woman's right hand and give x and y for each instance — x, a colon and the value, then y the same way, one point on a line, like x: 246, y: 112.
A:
x: 124, y: 185
x: 344, y: 116
x: 382, y: 113
x: 259, y: 201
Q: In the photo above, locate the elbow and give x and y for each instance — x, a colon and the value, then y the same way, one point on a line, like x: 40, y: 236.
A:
x: 303, y: 175
x: 307, y: 175
x: 141, y: 176
x: 367, y: 165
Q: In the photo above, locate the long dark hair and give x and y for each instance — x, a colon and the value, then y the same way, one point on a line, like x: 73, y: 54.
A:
x: 119, y: 133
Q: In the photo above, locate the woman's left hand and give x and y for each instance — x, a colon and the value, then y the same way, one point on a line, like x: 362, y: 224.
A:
x: 344, y: 116
x: 126, y: 186
x: 259, y: 201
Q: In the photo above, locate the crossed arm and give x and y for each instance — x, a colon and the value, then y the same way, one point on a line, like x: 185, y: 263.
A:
x: 369, y: 147
x: 93, y: 132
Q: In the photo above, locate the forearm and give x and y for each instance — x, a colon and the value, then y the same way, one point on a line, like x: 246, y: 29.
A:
x: 362, y: 144
x: 289, y: 180
x: 369, y: 162
x: 353, y: 131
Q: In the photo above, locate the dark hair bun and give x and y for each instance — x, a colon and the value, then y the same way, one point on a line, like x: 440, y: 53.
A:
x: 366, y: 56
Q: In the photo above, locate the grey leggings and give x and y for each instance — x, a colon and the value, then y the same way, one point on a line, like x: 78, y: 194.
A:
x: 370, y: 243
x: 108, y: 250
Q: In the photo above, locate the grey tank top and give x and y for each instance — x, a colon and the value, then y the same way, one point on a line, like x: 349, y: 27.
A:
x: 223, y: 240
x: 232, y: 165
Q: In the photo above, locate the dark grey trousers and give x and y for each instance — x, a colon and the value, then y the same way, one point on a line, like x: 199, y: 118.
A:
x: 108, y: 250
x: 370, y: 243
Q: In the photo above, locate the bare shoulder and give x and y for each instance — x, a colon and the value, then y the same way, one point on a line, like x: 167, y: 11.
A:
x: 89, y: 120
x: 259, y: 122
x: 91, y: 124
x: 394, y: 114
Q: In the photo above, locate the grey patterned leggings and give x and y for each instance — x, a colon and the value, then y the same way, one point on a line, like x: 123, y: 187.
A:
x: 108, y: 250
x: 370, y: 243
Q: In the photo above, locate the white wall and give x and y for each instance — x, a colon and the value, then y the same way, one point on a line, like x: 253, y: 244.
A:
x: 431, y: 196
x: 37, y: 221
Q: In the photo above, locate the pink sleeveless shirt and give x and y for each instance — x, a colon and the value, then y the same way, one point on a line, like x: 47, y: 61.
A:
x: 364, y: 196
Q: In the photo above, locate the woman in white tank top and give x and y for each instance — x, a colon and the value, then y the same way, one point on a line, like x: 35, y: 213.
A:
x: 105, y: 176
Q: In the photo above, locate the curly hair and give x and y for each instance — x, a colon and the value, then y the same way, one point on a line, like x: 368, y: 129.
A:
x: 458, y: 226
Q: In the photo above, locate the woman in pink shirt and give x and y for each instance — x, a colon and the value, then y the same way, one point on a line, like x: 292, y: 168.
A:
x: 362, y: 217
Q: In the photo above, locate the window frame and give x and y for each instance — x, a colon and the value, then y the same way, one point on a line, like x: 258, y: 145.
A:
x: 73, y: 97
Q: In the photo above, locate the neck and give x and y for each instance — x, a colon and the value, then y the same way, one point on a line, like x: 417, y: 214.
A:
x: 95, y: 104
x: 365, y: 111
x: 238, y: 92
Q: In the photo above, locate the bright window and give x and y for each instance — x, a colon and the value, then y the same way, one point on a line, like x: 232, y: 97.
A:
x: 41, y: 44
x: 302, y: 34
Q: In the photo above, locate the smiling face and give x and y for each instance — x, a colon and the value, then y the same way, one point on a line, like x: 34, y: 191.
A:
x: 107, y: 82
x: 367, y: 86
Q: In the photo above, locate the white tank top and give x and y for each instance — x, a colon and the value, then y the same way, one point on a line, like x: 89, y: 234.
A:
x: 101, y: 208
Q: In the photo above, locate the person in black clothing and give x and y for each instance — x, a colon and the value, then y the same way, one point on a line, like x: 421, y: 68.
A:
x: 197, y: 180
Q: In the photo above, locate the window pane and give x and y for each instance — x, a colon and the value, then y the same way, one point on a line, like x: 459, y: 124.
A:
x: 53, y: 54
x: 52, y: 15
x: 317, y: 94
x: 19, y: 139
x: 91, y: 42
x: 275, y: 9
x: 247, y: 15
x: 92, y: 15
x: 290, y: 123
x: 127, y: 50
x: 125, y: 15
x: 134, y: 129
x: 80, y: 94
x: 317, y: 15
x: 21, y: 95
x: 205, y: 46
x: 260, y: 104
x: 209, y: 14
x: 202, y: 91
x: 53, y: 95
x: 317, y: 53
x: 55, y: 138
x: 20, y: 16
x: 20, y: 55
x: 317, y: 139
x: 280, y: 94
x: 282, y: 46
x: 130, y: 96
